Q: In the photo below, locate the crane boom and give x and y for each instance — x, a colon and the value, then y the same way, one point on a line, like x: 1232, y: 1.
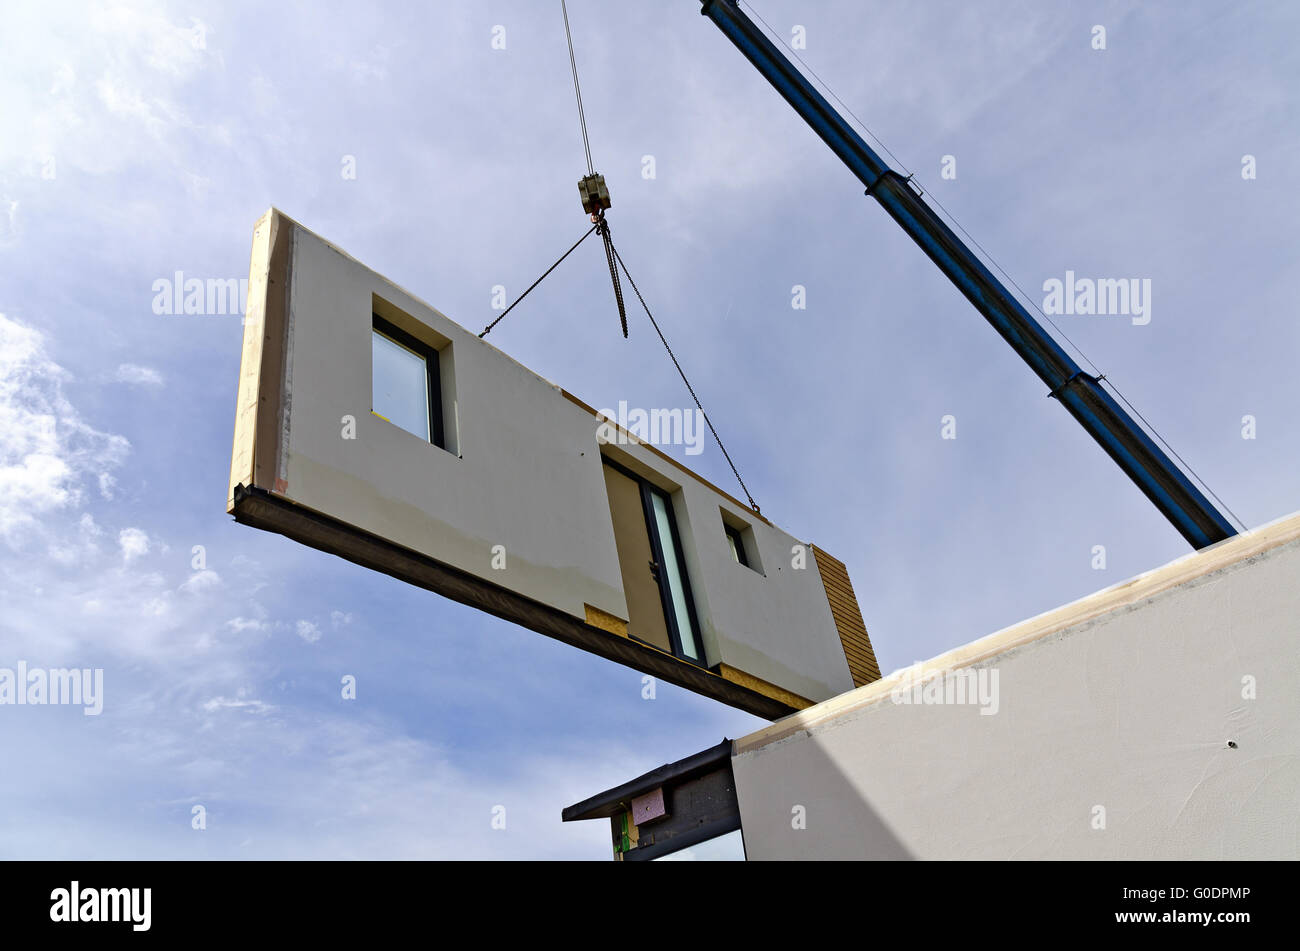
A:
x: 1079, y: 392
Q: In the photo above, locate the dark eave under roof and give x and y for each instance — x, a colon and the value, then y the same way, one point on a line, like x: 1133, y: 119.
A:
x: 613, y: 801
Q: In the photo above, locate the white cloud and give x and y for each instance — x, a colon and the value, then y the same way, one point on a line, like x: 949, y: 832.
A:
x: 340, y: 618
x: 65, y: 78
x: 363, y: 789
x: 373, y: 68
x: 137, y: 375
x: 308, y: 631
x: 108, y: 606
x: 46, y: 449
x: 98, y: 88
x: 77, y: 545
x: 417, y: 802
x: 159, y: 606
x: 200, y: 581
x: 241, y: 624
x: 126, y: 101
x: 134, y: 542
x: 248, y: 706
x: 8, y: 220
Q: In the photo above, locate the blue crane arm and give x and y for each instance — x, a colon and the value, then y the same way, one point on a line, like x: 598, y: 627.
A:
x: 1080, y: 393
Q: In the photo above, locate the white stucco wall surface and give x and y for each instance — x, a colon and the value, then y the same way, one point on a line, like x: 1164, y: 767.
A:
x: 1158, y: 719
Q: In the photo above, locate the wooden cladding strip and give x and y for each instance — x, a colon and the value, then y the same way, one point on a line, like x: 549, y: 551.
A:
x: 856, y: 653
x: 834, y: 587
x: 848, y: 618
x: 759, y: 685
x: 862, y: 660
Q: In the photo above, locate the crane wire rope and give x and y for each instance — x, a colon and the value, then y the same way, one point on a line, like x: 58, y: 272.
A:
x: 488, y: 329
x: 615, y: 262
x: 682, y: 373
x: 577, y: 90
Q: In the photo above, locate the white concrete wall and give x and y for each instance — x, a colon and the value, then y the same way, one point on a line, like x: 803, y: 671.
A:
x: 1126, y: 701
x: 527, y: 475
x: 520, y: 480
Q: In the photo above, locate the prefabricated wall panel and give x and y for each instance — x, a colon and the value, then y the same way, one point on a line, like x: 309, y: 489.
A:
x: 520, y: 477
x: 1158, y: 719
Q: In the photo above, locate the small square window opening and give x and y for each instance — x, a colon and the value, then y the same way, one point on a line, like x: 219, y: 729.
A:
x: 405, y: 386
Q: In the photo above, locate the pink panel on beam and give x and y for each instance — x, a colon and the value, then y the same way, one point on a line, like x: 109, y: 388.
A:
x: 649, y: 807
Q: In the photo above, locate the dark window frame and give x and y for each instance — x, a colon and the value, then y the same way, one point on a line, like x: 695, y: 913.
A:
x: 434, y: 378
x: 648, y: 491
x: 738, y: 539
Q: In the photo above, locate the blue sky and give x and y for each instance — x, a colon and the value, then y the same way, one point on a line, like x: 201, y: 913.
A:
x: 137, y: 140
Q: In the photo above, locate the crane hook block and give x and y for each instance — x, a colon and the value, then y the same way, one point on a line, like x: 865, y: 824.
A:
x: 594, y: 194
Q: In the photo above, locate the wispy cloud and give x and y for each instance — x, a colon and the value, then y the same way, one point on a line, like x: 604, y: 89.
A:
x: 241, y: 624
x: 138, y: 375
x: 238, y: 703
x: 201, y: 581
x: 137, y: 141
x: 47, y: 451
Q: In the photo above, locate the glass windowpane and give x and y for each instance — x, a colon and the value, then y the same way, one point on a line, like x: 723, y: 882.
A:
x: 672, y: 572
x: 401, y: 386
